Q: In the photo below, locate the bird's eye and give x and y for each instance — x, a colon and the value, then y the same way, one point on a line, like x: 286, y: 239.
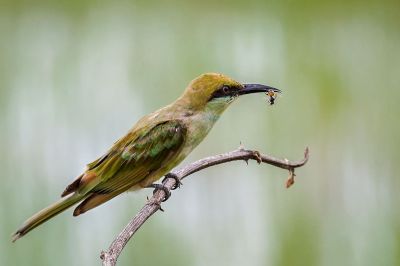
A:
x: 225, y: 89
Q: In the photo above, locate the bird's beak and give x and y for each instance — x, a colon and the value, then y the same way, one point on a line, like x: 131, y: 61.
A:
x: 253, y: 88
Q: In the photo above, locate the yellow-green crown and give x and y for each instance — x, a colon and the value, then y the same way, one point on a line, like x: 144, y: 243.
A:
x: 199, y: 90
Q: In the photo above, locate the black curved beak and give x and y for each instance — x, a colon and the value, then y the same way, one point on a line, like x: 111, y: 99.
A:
x: 253, y: 88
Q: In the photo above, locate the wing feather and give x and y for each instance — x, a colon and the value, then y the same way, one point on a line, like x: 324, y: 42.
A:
x: 132, y: 160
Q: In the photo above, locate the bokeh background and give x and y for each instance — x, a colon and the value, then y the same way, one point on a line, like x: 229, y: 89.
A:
x: 76, y: 75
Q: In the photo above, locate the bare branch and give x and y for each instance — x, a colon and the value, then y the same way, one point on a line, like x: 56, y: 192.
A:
x: 110, y: 257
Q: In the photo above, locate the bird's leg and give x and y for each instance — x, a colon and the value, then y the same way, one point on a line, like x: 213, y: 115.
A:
x: 162, y: 187
x: 178, y: 182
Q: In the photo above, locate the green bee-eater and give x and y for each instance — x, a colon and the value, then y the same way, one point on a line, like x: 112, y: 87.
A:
x: 157, y: 143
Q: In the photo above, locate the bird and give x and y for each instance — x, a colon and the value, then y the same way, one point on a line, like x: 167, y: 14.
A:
x: 156, y: 144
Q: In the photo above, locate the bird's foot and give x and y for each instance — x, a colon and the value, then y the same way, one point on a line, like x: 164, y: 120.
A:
x: 178, y: 182
x: 163, y: 188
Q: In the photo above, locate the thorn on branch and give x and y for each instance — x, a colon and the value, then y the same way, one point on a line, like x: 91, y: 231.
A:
x: 241, y: 147
x: 155, y: 202
x: 158, y: 204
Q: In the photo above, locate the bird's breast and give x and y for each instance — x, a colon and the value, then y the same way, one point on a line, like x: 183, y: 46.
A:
x: 198, y: 126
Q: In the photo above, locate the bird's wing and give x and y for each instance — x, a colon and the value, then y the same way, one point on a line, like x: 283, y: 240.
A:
x: 134, y: 157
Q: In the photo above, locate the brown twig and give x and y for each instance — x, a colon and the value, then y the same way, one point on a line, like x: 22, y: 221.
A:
x: 110, y: 257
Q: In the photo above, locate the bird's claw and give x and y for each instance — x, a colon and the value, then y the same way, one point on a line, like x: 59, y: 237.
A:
x: 178, y: 182
x: 163, y: 188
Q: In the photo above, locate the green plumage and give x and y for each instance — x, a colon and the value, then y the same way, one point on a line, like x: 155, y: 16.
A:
x: 157, y: 143
x: 47, y: 213
x: 132, y: 160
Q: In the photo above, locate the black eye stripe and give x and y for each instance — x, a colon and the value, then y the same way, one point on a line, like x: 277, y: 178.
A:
x: 225, y: 91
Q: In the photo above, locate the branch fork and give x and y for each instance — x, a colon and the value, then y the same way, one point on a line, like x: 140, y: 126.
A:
x: 172, y: 180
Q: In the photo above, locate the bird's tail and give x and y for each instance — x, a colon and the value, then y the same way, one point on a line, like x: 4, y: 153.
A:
x: 47, y: 213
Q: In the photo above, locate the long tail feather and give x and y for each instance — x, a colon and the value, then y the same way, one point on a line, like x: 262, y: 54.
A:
x: 93, y: 201
x: 47, y: 213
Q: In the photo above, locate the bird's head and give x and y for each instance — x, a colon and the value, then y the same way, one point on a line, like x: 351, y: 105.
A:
x: 216, y: 91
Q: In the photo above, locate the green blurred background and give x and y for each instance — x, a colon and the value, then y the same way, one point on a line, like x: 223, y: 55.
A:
x: 76, y: 75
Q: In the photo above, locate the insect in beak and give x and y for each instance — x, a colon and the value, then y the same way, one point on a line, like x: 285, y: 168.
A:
x: 272, y: 96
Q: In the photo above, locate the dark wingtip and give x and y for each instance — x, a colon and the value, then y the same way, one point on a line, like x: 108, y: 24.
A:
x: 72, y: 187
x: 77, y: 211
x: 66, y: 192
